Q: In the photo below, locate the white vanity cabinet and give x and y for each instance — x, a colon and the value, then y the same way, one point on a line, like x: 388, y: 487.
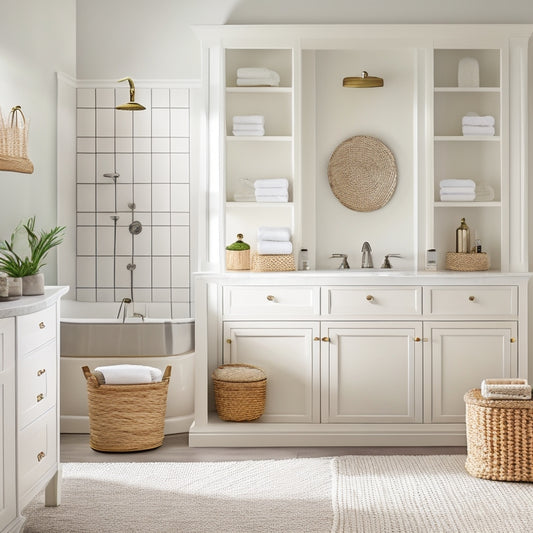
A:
x: 29, y: 331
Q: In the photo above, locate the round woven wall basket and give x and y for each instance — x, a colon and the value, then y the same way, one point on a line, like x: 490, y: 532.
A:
x: 362, y: 173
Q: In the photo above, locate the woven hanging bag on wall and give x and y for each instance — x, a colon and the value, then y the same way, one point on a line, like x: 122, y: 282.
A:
x: 14, y: 142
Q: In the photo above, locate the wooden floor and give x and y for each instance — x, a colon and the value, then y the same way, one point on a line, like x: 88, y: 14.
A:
x: 75, y: 449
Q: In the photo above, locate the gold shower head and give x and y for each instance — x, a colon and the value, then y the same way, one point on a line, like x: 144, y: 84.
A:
x: 132, y: 105
x: 364, y: 81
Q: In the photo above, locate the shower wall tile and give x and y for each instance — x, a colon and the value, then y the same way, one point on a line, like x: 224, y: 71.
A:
x: 150, y: 151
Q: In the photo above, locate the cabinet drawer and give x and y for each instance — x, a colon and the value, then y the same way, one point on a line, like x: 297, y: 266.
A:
x: 36, y: 329
x: 37, y: 450
x: 472, y: 300
x: 271, y: 301
x: 37, y: 378
x: 372, y: 301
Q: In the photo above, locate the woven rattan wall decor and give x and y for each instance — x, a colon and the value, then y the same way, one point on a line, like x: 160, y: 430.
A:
x: 14, y: 142
x: 362, y: 173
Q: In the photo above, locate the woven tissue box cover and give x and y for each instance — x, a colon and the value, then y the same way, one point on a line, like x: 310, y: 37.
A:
x: 272, y: 263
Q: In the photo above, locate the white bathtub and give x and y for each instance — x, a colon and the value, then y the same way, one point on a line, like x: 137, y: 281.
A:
x: 90, y: 338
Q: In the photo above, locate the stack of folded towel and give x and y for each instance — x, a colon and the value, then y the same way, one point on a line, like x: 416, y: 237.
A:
x: 457, y: 190
x: 257, y: 77
x: 506, y: 389
x: 476, y: 125
x: 249, y: 125
x: 127, y: 374
x: 274, y: 241
x: 272, y: 190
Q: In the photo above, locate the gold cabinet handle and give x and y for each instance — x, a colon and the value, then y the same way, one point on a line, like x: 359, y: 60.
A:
x: 325, y: 339
x: 271, y: 298
x: 42, y: 325
x: 40, y: 456
x: 228, y: 341
x: 417, y: 339
x: 40, y: 397
x: 41, y: 372
x: 370, y: 298
x: 513, y: 339
x: 316, y: 339
x: 471, y: 298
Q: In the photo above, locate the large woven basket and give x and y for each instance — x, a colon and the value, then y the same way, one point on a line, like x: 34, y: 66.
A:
x: 240, y: 392
x: 272, y: 262
x: 126, y: 418
x: 499, y: 438
x: 464, y: 262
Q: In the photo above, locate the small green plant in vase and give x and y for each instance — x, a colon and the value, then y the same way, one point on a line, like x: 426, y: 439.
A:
x: 28, y: 267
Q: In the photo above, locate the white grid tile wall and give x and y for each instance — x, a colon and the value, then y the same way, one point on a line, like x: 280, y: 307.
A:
x: 150, y: 152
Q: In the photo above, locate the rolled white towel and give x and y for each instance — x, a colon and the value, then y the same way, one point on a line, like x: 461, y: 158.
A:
x: 130, y: 374
x: 256, y: 72
x: 457, y: 183
x: 274, y: 247
x: 273, y: 199
x: 457, y: 197
x: 257, y: 82
x: 271, y: 233
x: 249, y: 119
x: 478, y: 130
x: 257, y: 132
x: 271, y: 182
x: 474, y: 120
x: 271, y: 191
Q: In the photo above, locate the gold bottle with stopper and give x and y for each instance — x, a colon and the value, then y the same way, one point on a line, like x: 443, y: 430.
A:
x: 462, y: 238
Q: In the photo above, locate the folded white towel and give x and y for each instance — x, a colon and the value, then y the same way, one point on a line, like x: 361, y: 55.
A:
x: 248, y: 127
x: 249, y: 133
x: 274, y: 247
x: 249, y: 119
x: 271, y: 191
x: 462, y: 190
x: 506, y: 389
x: 257, y: 82
x: 271, y: 233
x: 478, y: 130
x: 271, y: 182
x: 244, y: 197
x: 457, y: 183
x: 130, y: 374
x: 274, y: 199
x: 484, y: 192
x: 457, y: 197
x: 472, y: 120
x: 256, y: 72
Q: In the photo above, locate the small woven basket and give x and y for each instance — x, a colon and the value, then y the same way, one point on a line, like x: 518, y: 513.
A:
x: 467, y: 262
x: 272, y: 263
x: 126, y: 418
x: 499, y: 437
x: 240, y: 392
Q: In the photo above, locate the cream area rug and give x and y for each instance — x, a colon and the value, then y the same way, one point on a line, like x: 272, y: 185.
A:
x: 363, y: 494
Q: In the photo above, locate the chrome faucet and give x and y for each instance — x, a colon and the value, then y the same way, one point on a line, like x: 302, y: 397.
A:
x: 366, y: 260
x: 344, y: 258
x: 138, y: 315
x: 124, y: 308
x: 386, y: 262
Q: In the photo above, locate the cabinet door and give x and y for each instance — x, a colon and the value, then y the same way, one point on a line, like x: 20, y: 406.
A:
x: 372, y: 372
x: 458, y: 356
x: 7, y: 422
x: 289, y: 355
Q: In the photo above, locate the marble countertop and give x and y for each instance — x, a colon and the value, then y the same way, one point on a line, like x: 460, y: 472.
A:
x: 30, y: 304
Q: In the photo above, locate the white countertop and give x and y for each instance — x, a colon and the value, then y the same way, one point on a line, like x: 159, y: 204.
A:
x: 30, y: 304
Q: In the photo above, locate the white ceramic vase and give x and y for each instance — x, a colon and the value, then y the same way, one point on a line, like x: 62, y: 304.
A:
x: 33, y: 285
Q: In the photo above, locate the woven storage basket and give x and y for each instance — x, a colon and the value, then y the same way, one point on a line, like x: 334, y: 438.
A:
x: 272, y: 263
x: 240, y: 392
x: 126, y: 418
x: 467, y: 262
x: 499, y: 438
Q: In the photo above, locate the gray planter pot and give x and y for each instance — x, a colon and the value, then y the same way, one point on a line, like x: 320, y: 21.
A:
x: 33, y: 285
x: 14, y: 286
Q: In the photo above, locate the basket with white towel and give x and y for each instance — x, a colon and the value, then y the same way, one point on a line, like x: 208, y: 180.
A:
x: 257, y: 77
x: 473, y: 124
x: 274, y: 250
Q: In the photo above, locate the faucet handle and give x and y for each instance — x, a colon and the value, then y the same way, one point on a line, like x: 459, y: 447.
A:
x: 344, y: 258
x: 386, y: 262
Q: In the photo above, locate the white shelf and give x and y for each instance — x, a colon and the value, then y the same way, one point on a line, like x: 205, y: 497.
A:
x: 467, y: 204
x: 259, y: 204
x: 467, y: 89
x: 258, y: 138
x: 252, y: 90
x: 467, y: 138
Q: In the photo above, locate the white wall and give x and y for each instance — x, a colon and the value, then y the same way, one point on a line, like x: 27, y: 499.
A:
x: 36, y: 40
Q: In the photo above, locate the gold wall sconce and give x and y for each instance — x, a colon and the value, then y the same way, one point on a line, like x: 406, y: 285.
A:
x: 364, y: 81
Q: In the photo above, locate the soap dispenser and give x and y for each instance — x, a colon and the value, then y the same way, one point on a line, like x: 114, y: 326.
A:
x: 462, y: 238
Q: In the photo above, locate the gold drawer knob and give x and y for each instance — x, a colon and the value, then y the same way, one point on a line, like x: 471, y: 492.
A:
x: 370, y: 298
x: 417, y: 339
x: 316, y: 339
x: 40, y: 397
x: 271, y: 298
x: 41, y: 372
x: 471, y: 298
x: 42, y: 325
x: 325, y: 339
x: 513, y: 339
x: 40, y: 456
x: 228, y: 341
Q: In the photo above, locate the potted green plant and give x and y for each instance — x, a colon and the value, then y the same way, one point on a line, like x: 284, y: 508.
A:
x: 28, y: 267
